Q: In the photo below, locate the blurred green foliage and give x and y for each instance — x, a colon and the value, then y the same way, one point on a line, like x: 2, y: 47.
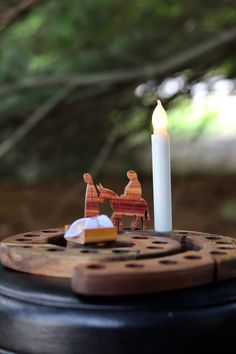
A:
x: 67, y: 36
x: 64, y: 38
x: 186, y: 123
x: 228, y: 211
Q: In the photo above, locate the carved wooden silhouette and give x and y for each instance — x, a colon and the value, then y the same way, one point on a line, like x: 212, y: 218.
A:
x: 91, y: 198
x: 130, y: 203
x: 133, y: 190
x: 124, y: 206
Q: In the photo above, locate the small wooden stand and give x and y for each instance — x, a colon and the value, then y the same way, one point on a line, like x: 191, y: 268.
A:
x: 108, y: 234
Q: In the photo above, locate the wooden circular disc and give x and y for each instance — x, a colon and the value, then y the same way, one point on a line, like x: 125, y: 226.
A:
x: 204, y: 258
x: 138, y: 262
x: 44, y: 252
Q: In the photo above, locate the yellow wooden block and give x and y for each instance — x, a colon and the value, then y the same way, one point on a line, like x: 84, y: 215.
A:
x: 98, y: 235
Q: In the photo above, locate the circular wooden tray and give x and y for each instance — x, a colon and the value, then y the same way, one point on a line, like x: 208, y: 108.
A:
x: 138, y: 262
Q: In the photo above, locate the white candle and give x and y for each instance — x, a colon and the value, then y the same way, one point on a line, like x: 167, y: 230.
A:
x: 161, y: 171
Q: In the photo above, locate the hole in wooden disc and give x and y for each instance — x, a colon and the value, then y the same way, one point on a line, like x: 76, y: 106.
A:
x: 57, y: 240
x: 140, y: 237
x: 134, y: 265
x: 111, y: 245
x: 226, y: 248
x: 192, y: 257
x: 26, y: 246
x: 213, y: 237
x: 223, y: 243
x: 31, y: 235
x: 23, y: 239
x: 55, y: 249
x: 48, y: 231
x: 160, y: 242
x: 155, y: 248
x: 88, y: 251
x: 95, y: 266
x: 218, y: 253
x: 120, y: 251
x: 183, y: 232
x: 167, y: 261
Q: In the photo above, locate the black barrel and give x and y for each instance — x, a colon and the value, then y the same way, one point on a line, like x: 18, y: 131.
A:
x: 42, y: 315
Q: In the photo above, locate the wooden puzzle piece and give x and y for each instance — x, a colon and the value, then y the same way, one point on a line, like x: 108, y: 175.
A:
x: 133, y: 190
x: 91, y: 208
x: 46, y: 252
x: 137, y: 263
x: 206, y: 258
x: 141, y: 276
x: 130, y: 203
x: 125, y: 206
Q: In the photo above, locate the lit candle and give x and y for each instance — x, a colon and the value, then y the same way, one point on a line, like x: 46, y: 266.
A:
x: 161, y: 171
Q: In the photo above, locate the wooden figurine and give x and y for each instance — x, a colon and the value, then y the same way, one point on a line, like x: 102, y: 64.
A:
x: 133, y: 190
x: 130, y: 203
x: 124, y: 206
x: 91, y: 198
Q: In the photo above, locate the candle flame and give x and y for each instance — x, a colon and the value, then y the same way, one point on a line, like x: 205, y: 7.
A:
x: 159, y: 119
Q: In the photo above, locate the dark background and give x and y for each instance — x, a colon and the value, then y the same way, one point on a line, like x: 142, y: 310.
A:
x: 78, y: 83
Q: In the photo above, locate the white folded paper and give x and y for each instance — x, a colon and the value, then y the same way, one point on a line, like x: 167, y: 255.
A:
x: 78, y: 226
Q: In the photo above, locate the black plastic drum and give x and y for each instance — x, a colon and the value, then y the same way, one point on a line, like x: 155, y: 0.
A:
x: 42, y: 315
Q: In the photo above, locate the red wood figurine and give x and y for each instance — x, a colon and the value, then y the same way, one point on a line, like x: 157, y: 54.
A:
x: 130, y: 203
x: 91, y: 198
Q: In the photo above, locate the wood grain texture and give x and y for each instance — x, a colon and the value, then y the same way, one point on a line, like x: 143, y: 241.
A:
x: 222, y: 250
x: 133, y: 190
x: 144, y: 276
x: 45, y: 252
x: 130, y: 203
x: 137, y: 262
x: 102, y: 234
x: 205, y: 258
x: 91, y: 208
